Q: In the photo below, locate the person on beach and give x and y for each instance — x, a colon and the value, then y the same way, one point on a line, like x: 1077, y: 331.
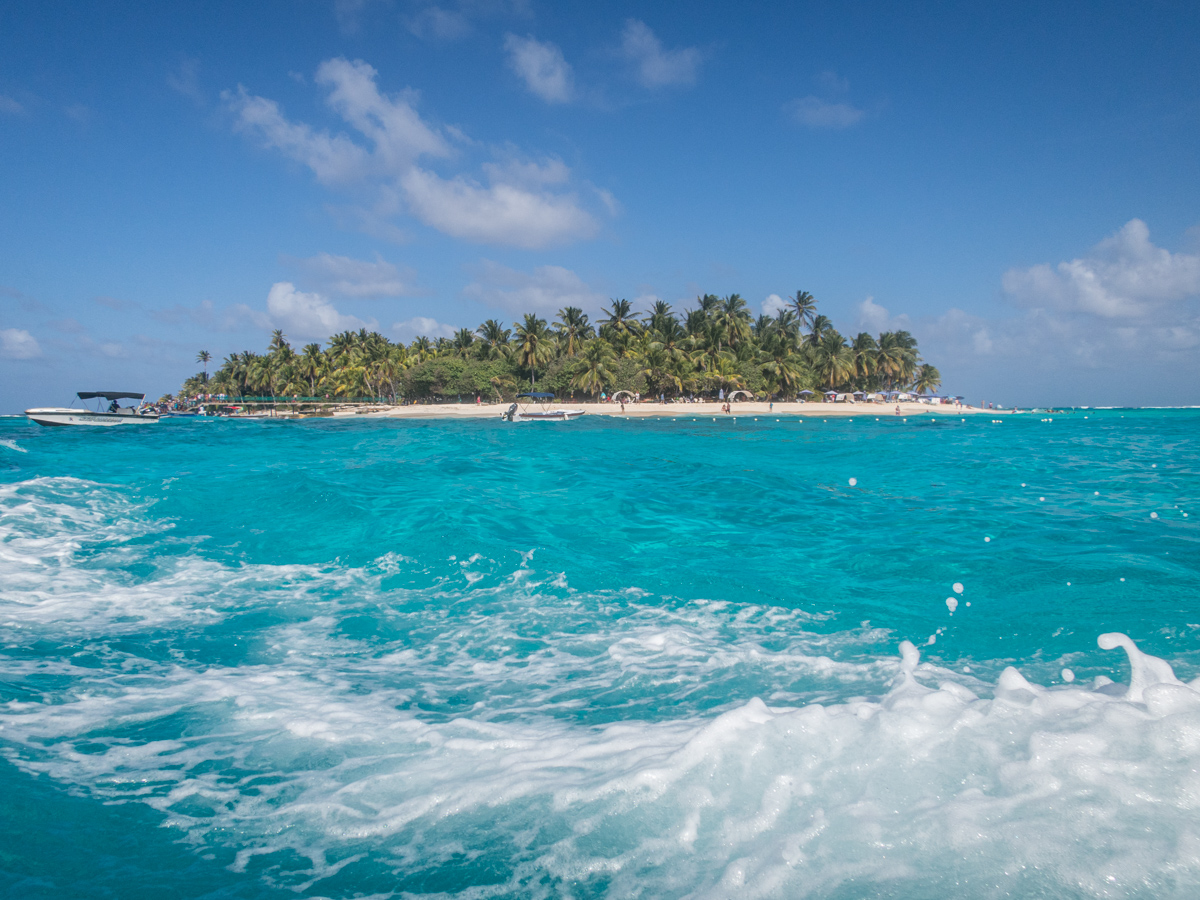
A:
x: 622, y: 404
x: 897, y: 409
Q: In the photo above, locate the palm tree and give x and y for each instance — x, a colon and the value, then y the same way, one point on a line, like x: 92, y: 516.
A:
x: 494, y: 337
x: 820, y: 327
x: 621, y: 317
x: 464, y: 340
x: 866, y: 356
x: 928, y: 378
x: 534, y: 344
x: 733, y: 318
x: 203, y: 357
x: 422, y: 348
x: 804, y: 306
x: 573, y: 327
x: 311, y: 366
x: 660, y: 315
x: 595, y: 358
x: 835, y: 361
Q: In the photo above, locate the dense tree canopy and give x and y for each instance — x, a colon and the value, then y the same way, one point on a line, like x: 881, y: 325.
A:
x: 716, y: 345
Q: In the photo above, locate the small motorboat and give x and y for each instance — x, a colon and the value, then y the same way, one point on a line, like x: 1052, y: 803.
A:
x: 115, y: 414
x: 520, y: 412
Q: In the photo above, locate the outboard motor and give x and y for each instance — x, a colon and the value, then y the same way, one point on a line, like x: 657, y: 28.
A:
x: 508, y: 416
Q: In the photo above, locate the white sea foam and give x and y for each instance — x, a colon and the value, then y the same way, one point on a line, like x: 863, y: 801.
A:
x: 538, y: 741
x: 1033, y: 788
x: 12, y: 445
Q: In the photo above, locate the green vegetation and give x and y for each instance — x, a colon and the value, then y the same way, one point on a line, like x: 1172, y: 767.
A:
x: 716, y: 345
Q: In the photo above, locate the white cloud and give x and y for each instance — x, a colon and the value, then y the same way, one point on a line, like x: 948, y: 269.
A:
x: 391, y: 123
x: 515, y: 209
x: 10, y: 106
x: 422, y: 326
x: 348, y: 277
x: 773, y: 304
x: 875, y: 318
x: 301, y: 314
x: 332, y: 158
x: 17, y: 343
x: 186, y: 81
x: 653, y: 65
x: 1124, y: 276
x: 528, y: 173
x: 440, y: 24
x: 546, y: 291
x: 817, y: 113
x: 499, y: 214
x: 542, y: 67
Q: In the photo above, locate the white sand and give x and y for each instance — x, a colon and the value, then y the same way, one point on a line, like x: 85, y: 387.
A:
x: 694, y: 410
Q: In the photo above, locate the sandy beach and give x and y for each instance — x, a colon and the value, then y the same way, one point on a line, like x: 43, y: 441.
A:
x: 679, y: 410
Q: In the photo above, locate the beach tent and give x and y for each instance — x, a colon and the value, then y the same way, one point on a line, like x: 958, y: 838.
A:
x: 733, y: 395
x: 806, y: 391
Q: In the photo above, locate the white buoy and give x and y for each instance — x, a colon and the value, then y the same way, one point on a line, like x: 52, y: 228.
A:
x: 1154, y: 515
x: 853, y: 482
x: 987, y: 540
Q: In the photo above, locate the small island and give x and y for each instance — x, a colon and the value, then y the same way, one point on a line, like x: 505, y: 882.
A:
x: 710, y: 354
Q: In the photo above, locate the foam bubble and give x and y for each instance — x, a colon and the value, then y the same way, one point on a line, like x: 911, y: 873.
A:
x: 952, y: 604
x: 1068, y: 676
x: 958, y: 587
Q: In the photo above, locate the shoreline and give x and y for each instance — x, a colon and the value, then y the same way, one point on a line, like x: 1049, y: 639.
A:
x: 676, y: 410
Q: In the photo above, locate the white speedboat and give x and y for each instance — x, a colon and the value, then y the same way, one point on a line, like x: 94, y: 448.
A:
x: 520, y: 412
x: 115, y: 414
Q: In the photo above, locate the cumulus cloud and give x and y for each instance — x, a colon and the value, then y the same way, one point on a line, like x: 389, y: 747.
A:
x: 422, y: 326
x: 17, y: 343
x: 772, y: 304
x: 870, y: 316
x: 1124, y: 276
x: 435, y: 23
x: 496, y: 214
x: 817, y: 113
x: 653, y: 65
x: 349, y: 277
x: 516, y: 208
x: 307, y: 315
x: 541, y: 66
x: 10, y: 106
x: 545, y: 291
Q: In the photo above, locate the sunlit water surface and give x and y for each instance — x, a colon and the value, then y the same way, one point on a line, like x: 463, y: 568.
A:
x: 605, y: 658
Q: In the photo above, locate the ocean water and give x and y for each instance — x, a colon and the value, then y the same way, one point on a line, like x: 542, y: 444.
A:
x: 607, y: 658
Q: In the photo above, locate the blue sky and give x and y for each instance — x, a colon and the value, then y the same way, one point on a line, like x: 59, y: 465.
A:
x: 1015, y: 184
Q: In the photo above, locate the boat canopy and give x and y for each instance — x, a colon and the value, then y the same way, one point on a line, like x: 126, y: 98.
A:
x: 110, y: 395
x: 537, y: 396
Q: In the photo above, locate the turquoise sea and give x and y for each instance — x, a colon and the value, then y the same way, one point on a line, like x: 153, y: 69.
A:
x: 605, y: 658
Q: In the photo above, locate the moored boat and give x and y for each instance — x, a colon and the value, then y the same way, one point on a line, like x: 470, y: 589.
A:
x: 520, y: 412
x: 115, y: 414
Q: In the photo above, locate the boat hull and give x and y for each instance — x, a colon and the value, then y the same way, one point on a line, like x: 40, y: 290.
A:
x: 57, y: 417
x: 557, y: 415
